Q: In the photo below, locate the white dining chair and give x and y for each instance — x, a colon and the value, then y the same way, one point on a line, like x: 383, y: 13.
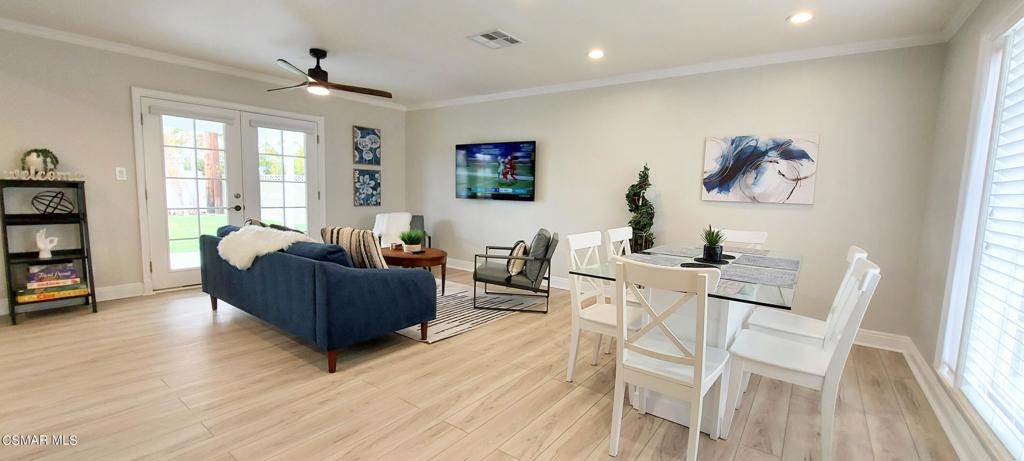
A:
x: 744, y: 239
x: 816, y: 367
x: 618, y: 241
x: 802, y: 328
x: 599, y: 317
x: 653, y: 357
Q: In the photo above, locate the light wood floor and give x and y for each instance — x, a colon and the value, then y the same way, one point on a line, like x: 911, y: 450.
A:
x: 163, y: 377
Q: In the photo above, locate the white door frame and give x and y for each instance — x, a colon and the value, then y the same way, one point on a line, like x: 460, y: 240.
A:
x: 317, y: 209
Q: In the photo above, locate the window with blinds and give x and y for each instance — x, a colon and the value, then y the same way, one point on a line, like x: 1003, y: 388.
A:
x: 992, y: 370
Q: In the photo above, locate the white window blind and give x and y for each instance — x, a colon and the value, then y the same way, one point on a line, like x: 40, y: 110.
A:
x: 992, y: 372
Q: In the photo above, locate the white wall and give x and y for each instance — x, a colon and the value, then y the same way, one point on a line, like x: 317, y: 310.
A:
x: 875, y: 114
x: 950, y: 152
x: 76, y: 101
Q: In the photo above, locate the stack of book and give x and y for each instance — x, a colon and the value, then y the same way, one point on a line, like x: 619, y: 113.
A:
x: 52, y: 281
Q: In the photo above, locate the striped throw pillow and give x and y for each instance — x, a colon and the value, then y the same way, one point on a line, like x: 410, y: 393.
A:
x: 515, y: 266
x: 361, y: 245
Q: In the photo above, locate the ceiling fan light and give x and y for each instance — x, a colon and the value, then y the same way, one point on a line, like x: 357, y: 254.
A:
x: 800, y: 17
x: 318, y: 90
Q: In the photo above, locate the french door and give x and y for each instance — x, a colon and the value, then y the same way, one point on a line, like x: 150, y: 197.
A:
x: 207, y: 167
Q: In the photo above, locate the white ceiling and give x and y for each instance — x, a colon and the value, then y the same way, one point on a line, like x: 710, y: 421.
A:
x: 418, y: 50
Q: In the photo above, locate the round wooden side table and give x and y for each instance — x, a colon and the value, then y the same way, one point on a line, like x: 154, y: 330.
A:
x: 430, y: 257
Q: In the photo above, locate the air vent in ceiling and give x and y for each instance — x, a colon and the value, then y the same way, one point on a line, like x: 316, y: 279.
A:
x: 496, y: 39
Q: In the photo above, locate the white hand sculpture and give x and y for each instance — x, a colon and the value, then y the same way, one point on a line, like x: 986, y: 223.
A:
x: 45, y: 244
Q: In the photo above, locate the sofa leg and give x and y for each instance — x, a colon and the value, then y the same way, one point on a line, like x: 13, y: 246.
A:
x: 332, y: 361
x: 213, y: 302
x: 423, y: 331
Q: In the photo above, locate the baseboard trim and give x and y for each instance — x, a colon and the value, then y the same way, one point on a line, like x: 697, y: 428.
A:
x: 463, y: 265
x: 963, y: 438
x: 107, y: 293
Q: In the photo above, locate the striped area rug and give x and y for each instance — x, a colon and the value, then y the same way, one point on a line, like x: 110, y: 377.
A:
x: 456, y: 315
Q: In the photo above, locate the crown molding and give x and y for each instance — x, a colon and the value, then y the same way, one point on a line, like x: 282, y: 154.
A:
x: 146, y: 53
x: 959, y: 17
x: 695, y: 69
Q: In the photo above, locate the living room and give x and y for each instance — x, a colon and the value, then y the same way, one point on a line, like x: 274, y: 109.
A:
x: 443, y: 231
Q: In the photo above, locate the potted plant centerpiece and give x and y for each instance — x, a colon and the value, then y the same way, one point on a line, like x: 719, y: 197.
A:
x: 713, y: 239
x: 413, y: 240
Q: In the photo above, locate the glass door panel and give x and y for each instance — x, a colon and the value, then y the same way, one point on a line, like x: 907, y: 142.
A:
x: 194, y: 174
x: 190, y: 151
x: 285, y: 181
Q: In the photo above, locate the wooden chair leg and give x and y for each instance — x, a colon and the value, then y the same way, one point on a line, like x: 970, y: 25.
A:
x: 696, y: 408
x: 423, y: 331
x: 574, y: 349
x: 332, y: 361
x: 213, y: 302
x: 618, y: 401
x: 733, y: 395
x: 597, y: 348
x: 829, y: 398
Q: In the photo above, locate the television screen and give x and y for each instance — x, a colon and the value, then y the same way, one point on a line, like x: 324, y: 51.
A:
x: 496, y: 171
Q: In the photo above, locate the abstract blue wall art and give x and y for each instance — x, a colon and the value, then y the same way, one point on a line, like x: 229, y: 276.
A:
x: 365, y: 145
x: 366, y: 185
x: 760, y: 169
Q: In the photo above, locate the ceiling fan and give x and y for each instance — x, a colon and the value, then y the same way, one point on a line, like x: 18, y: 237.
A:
x: 316, y: 79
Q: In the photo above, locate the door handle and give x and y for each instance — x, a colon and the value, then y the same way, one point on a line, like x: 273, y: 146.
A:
x: 237, y: 207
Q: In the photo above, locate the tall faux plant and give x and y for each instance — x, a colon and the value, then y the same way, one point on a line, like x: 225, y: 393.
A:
x: 643, y: 211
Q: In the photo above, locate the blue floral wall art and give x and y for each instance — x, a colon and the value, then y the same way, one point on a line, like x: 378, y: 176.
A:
x: 366, y: 187
x: 366, y: 145
x: 760, y: 169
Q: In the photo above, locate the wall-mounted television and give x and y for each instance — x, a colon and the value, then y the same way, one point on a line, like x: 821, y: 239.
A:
x: 496, y: 170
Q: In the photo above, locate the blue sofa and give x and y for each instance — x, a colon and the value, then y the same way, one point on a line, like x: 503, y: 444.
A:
x: 324, y: 303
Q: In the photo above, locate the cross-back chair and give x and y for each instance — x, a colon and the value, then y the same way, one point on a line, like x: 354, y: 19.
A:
x: 599, y: 317
x: 618, y: 241
x: 816, y: 367
x: 744, y: 239
x: 653, y: 357
x: 802, y: 328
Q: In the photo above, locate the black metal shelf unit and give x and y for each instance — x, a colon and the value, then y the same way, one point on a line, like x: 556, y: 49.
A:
x: 18, y: 262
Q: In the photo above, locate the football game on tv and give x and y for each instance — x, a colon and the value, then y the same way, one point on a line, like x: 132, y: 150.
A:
x: 495, y: 171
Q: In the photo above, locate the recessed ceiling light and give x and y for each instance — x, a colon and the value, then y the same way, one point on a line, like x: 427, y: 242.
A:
x: 596, y: 54
x: 800, y: 17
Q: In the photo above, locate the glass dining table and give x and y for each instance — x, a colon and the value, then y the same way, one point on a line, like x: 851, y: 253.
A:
x: 750, y: 278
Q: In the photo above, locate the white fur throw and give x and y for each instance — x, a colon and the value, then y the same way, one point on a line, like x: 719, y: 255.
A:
x: 240, y: 248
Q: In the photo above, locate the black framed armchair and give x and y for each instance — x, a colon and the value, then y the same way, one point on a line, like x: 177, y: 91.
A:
x: 490, y: 268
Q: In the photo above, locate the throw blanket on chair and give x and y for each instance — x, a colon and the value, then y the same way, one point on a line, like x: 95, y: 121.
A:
x: 240, y: 248
x: 360, y: 244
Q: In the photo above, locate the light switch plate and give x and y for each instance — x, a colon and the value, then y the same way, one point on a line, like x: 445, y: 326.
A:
x: 121, y: 173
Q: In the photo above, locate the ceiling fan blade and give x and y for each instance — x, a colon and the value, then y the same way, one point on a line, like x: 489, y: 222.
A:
x: 290, y: 87
x: 290, y: 68
x: 356, y: 89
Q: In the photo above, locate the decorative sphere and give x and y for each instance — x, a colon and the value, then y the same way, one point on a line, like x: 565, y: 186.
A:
x: 52, y: 201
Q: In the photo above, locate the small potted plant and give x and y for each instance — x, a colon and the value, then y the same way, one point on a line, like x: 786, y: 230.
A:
x: 413, y: 240
x: 713, y: 239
